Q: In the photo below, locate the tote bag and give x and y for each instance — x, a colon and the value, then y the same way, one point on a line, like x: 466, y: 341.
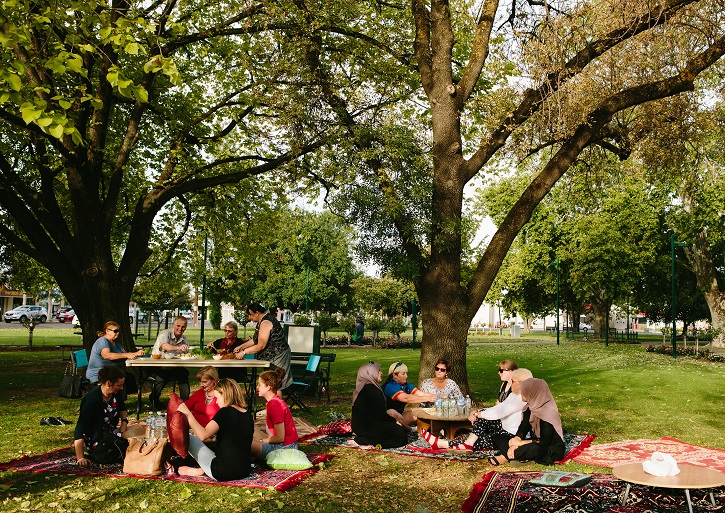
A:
x: 70, y: 383
x: 145, y: 456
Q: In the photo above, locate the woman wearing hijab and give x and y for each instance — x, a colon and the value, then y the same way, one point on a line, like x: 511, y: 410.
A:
x: 370, y: 421
x: 540, y: 436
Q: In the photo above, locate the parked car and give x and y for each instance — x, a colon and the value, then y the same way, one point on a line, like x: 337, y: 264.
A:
x: 584, y: 326
x: 62, y: 310
x: 132, y: 312
x: 66, y: 316
x: 23, y: 313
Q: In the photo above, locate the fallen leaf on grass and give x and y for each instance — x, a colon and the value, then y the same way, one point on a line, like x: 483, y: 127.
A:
x: 144, y: 504
x: 185, y: 494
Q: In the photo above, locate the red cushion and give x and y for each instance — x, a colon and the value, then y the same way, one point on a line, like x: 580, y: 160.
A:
x: 337, y: 427
x: 177, y: 426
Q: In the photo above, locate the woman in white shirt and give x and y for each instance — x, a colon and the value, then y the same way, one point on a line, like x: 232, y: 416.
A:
x: 502, y: 418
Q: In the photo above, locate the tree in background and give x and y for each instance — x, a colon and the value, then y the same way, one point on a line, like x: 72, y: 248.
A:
x: 386, y: 295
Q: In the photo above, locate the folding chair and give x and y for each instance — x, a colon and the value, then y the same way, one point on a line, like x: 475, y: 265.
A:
x: 80, y: 361
x: 298, y: 388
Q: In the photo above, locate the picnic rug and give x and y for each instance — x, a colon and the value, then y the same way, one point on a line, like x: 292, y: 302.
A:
x: 511, y: 492
x: 627, y: 451
x: 62, y: 461
x: 419, y: 447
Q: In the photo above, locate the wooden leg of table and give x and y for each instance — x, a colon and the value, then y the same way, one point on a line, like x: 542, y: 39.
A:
x: 626, y: 494
x: 689, y: 501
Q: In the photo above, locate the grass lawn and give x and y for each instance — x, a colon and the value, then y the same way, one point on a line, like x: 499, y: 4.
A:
x: 617, y: 392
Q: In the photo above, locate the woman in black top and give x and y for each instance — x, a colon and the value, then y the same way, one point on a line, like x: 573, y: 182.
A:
x: 233, y: 427
x: 370, y: 421
x: 268, y: 342
x: 540, y: 436
x: 102, y: 420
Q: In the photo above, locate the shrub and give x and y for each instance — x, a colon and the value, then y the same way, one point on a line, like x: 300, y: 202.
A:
x: 686, y: 351
x: 396, y: 326
x: 301, y: 319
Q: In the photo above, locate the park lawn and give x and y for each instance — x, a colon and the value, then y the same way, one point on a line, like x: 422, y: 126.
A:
x: 617, y: 392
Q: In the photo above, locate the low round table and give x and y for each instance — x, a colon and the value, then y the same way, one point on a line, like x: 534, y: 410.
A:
x: 690, y: 476
x: 449, y: 425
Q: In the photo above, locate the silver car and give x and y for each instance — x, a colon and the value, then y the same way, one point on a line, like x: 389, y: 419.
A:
x: 23, y: 313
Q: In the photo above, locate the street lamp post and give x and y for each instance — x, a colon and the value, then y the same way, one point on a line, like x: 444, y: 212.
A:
x: 307, y: 290
x: 203, y: 295
x: 674, y: 245
x: 555, y: 264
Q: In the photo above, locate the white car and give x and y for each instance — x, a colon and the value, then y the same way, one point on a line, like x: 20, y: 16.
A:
x: 76, y: 322
x: 23, y: 313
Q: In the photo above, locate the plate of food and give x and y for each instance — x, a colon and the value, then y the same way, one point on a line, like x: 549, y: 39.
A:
x: 187, y: 356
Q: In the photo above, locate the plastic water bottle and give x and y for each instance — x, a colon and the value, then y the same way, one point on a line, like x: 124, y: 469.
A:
x: 162, y: 432
x: 468, y: 406
x: 149, y: 426
x: 159, y: 425
x: 444, y: 405
x: 460, y: 406
x: 439, y: 405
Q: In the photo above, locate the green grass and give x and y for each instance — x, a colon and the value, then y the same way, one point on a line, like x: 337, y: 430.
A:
x: 617, y: 392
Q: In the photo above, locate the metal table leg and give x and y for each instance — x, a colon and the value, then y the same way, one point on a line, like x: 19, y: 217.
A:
x: 626, y: 494
x: 689, y: 501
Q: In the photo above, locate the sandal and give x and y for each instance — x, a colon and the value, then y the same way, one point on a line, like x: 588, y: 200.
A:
x: 430, y: 438
x: 493, y: 460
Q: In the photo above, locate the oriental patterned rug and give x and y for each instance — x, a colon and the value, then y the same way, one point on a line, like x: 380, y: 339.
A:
x: 332, y: 435
x: 611, y: 455
x: 511, y: 492
x: 63, y: 462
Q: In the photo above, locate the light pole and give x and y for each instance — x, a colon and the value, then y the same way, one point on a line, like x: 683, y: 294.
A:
x: 307, y: 290
x: 555, y: 264
x: 674, y: 245
x: 203, y: 295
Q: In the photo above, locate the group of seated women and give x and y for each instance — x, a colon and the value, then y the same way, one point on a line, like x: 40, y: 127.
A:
x: 218, y: 410
x: 523, y: 425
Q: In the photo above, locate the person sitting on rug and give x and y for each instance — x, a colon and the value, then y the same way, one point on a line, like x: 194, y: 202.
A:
x: 233, y: 427
x: 540, y: 436
x: 370, y: 421
x: 502, y: 419
x: 281, y: 430
x: 440, y: 383
x: 202, y: 403
x: 398, y: 393
x: 102, y: 421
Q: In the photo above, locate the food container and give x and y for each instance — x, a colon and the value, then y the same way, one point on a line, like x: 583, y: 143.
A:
x: 217, y: 357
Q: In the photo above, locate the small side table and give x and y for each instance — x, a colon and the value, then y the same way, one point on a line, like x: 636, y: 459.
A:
x: 690, y: 477
x: 449, y: 425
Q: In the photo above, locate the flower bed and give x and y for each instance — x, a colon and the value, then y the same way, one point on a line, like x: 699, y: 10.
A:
x: 686, y: 351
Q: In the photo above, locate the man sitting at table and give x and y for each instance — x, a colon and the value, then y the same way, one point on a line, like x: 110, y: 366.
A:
x: 172, y: 341
x: 398, y: 393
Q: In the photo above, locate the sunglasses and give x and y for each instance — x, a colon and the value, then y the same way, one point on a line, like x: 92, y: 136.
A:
x: 440, y: 369
x: 114, y: 331
x: 398, y: 364
x: 501, y: 371
x: 228, y: 331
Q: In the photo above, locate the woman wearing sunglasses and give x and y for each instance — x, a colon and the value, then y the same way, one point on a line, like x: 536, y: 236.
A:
x: 502, y: 419
x: 107, y: 350
x: 440, y: 383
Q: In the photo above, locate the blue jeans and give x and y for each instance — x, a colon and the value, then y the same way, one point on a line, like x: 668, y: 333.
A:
x: 267, y: 448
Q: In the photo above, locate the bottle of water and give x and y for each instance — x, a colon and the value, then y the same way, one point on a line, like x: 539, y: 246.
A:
x: 163, y: 433
x: 159, y: 425
x: 439, y: 405
x: 468, y: 406
x: 460, y: 406
x: 150, y: 426
x: 444, y: 405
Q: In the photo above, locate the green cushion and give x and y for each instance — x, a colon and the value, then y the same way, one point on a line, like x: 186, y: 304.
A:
x: 559, y: 478
x: 288, y: 459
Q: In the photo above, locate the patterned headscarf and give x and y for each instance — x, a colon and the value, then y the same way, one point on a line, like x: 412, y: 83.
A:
x: 368, y: 373
x: 542, y: 405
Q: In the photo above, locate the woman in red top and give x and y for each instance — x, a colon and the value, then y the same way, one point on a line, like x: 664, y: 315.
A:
x: 281, y: 430
x: 202, y: 403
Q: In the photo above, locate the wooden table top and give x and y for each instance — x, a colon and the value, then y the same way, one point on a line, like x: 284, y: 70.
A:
x: 421, y: 413
x: 690, y: 476
x: 146, y: 361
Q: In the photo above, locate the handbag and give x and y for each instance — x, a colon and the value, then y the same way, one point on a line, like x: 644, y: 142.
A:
x: 70, y: 383
x: 144, y: 456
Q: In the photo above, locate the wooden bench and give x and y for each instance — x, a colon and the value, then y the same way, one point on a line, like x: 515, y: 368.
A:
x: 322, y: 380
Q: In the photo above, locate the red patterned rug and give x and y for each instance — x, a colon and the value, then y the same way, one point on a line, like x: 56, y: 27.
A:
x: 511, y: 492
x: 611, y: 455
x: 63, y: 462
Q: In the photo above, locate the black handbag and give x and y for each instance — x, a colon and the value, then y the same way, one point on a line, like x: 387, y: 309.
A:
x: 70, y: 383
x: 110, y: 449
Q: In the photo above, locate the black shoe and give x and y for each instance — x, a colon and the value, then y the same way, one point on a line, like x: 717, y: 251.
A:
x: 63, y: 422
x: 45, y: 422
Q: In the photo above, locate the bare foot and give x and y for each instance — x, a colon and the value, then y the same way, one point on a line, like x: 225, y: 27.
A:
x: 190, y: 471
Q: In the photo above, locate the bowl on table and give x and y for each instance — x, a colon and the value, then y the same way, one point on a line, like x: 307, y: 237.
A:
x: 217, y: 357
x: 168, y: 355
x: 156, y: 356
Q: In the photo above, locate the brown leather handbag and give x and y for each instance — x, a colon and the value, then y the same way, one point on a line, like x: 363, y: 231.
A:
x: 145, y: 456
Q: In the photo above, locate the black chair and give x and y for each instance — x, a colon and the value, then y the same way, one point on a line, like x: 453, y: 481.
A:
x: 298, y: 388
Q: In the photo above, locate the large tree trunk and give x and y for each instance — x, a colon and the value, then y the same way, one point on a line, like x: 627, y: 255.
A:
x: 700, y: 258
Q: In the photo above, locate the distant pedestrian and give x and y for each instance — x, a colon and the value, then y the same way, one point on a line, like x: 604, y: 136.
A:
x: 359, y: 327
